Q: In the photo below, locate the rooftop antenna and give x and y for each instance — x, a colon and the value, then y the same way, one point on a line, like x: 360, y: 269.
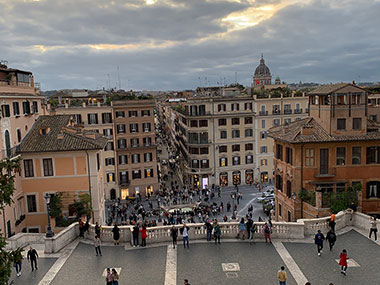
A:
x: 118, y: 77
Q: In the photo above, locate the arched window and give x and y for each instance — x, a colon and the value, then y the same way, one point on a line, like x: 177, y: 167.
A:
x: 7, y: 143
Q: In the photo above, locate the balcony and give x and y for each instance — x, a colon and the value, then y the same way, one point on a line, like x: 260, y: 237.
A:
x: 298, y: 111
x: 325, y: 173
x: 287, y: 111
x: 197, y: 114
x: 276, y: 112
x: 140, y: 146
x: 124, y: 183
x: 263, y: 113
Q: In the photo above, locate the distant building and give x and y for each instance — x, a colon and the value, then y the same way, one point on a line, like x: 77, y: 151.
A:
x: 337, y: 147
x: 262, y: 78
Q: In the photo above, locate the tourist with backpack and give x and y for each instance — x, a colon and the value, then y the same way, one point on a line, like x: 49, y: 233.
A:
x: 318, y: 240
x: 331, y: 238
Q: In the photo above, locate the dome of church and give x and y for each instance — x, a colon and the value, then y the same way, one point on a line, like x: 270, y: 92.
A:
x: 262, y: 69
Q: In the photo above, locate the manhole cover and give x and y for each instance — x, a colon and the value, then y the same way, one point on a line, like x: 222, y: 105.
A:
x: 232, y: 275
x: 230, y: 267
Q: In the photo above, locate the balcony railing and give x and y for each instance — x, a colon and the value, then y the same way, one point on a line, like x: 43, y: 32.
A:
x: 298, y: 111
x: 197, y: 114
x: 263, y: 113
x: 276, y: 112
x: 325, y: 173
x: 287, y: 111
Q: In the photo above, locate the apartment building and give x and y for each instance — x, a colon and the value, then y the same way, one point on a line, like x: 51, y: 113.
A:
x: 59, y: 157
x: 337, y: 147
x: 274, y: 108
x: 20, y: 107
x: 216, y: 139
x: 136, y: 149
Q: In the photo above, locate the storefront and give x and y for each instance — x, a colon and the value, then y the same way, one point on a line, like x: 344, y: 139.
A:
x: 204, y: 181
x: 264, y: 176
x: 124, y: 193
x: 249, y: 176
x: 223, y: 179
x: 195, y: 181
x: 236, y: 178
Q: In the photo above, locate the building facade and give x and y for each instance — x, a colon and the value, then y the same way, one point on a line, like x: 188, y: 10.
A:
x: 328, y: 154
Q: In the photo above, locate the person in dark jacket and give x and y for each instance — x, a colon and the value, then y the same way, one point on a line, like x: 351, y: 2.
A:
x: 331, y: 238
x: 135, y: 234
x: 32, y: 256
x: 174, y: 235
x: 208, y: 230
x: 97, y: 230
x: 116, y: 234
x: 318, y: 240
x: 249, y: 224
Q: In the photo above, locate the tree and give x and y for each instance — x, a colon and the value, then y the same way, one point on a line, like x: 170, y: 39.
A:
x: 8, y: 169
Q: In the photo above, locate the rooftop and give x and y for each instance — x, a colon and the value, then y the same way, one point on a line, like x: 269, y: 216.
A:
x: 333, y: 88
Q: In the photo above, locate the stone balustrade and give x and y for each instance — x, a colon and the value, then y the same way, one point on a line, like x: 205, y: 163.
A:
x: 24, y: 239
x: 63, y: 238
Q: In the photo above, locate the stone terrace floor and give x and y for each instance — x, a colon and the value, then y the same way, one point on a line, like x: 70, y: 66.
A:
x: 232, y: 262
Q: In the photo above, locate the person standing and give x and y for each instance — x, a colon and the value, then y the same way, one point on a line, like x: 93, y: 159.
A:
x: 318, y: 240
x: 143, y: 236
x: 281, y: 276
x: 135, y: 234
x: 249, y: 226
x: 242, y: 229
x: 97, y: 229
x: 253, y: 231
x: 331, y: 238
x: 109, y: 277
x: 116, y: 234
x: 174, y: 235
x: 266, y: 230
x: 18, y: 263
x: 97, y: 244
x: 115, y: 277
x: 32, y: 256
x: 217, y: 231
x: 343, y: 261
x: 373, y: 229
x: 208, y: 230
x: 185, y: 235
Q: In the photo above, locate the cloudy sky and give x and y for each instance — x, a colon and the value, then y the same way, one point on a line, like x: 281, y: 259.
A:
x: 180, y: 44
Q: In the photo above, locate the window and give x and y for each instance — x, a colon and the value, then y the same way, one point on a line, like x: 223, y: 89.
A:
x: 123, y: 177
x: 276, y: 122
x: 195, y: 163
x: 340, y: 156
x: 110, y: 161
x: 357, y: 123
x: 136, y: 174
x: 202, y: 110
x: 134, y: 128
x: 6, y: 111
x: 98, y: 161
x: 248, y: 133
x: 289, y: 155
x: 48, y: 166
x: 373, y: 118
x: 235, y: 121
x: 373, y: 154
x: 120, y: 128
x: 19, y: 135
x: 135, y: 142
x: 145, y: 113
x: 123, y: 159
x: 247, y: 106
x: 221, y: 107
x: 287, y: 121
x: 263, y: 149
x: 26, y: 108
x: 109, y: 146
x: 235, y: 107
x: 279, y: 151
x: 248, y: 120
x: 108, y: 133
x: 341, y: 124
x: 92, y: 119
x: 288, y: 188
x: 203, y: 123
x: 236, y: 160
x: 276, y: 109
x: 263, y: 162
x: 120, y: 114
x: 223, y: 134
x: 235, y: 133
x: 147, y: 141
x: 236, y: 147
x: 249, y: 159
x: 78, y: 119
x: 194, y: 150
x: 121, y: 143
x: 263, y: 135
x: 193, y: 123
x: 204, y: 163
x: 146, y: 127
x: 203, y: 150
x: 263, y: 111
x: 135, y: 158
x: 222, y: 122
x: 309, y: 157
x: 35, y: 107
x: 373, y: 189
x: 279, y: 182
x: 148, y: 173
x: 110, y: 177
x: 148, y: 157
x: 106, y: 118
x: 223, y: 161
x: 287, y: 109
x: 132, y: 113
x: 28, y: 168
x: 356, y: 155
x: 16, y: 108
x: 248, y: 146
x: 263, y: 124
x: 280, y: 210
x: 223, y: 148
x: 32, y: 203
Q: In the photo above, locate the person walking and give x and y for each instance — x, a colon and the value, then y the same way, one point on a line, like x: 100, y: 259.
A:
x: 109, y: 277
x: 331, y: 238
x: 343, y: 261
x: 253, y: 231
x: 185, y: 235
x: 174, y: 235
x: 266, y: 230
x: 18, y: 263
x: 242, y: 229
x: 143, y: 236
x: 135, y: 234
x: 116, y: 234
x: 32, y: 256
x: 373, y: 228
x: 217, y: 231
x: 115, y: 277
x: 318, y: 240
x: 281, y: 276
x: 97, y: 243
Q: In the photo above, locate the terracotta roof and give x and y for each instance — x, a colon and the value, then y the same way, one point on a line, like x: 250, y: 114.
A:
x: 292, y: 133
x: 60, y: 136
x: 330, y: 88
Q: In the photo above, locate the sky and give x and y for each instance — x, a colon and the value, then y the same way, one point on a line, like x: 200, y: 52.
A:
x: 182, y: 44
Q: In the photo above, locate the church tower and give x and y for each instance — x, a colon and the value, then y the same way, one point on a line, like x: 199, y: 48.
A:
x: 262, y: 74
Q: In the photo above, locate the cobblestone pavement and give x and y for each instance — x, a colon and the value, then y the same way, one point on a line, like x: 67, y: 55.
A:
x: 231, y: 262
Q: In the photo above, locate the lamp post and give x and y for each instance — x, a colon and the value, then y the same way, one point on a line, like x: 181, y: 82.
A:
x: 49, y: 232
x: 294, y: 195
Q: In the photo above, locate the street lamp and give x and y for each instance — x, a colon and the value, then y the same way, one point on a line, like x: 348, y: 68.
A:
x: 49, y: 232
x: 294, y: 195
